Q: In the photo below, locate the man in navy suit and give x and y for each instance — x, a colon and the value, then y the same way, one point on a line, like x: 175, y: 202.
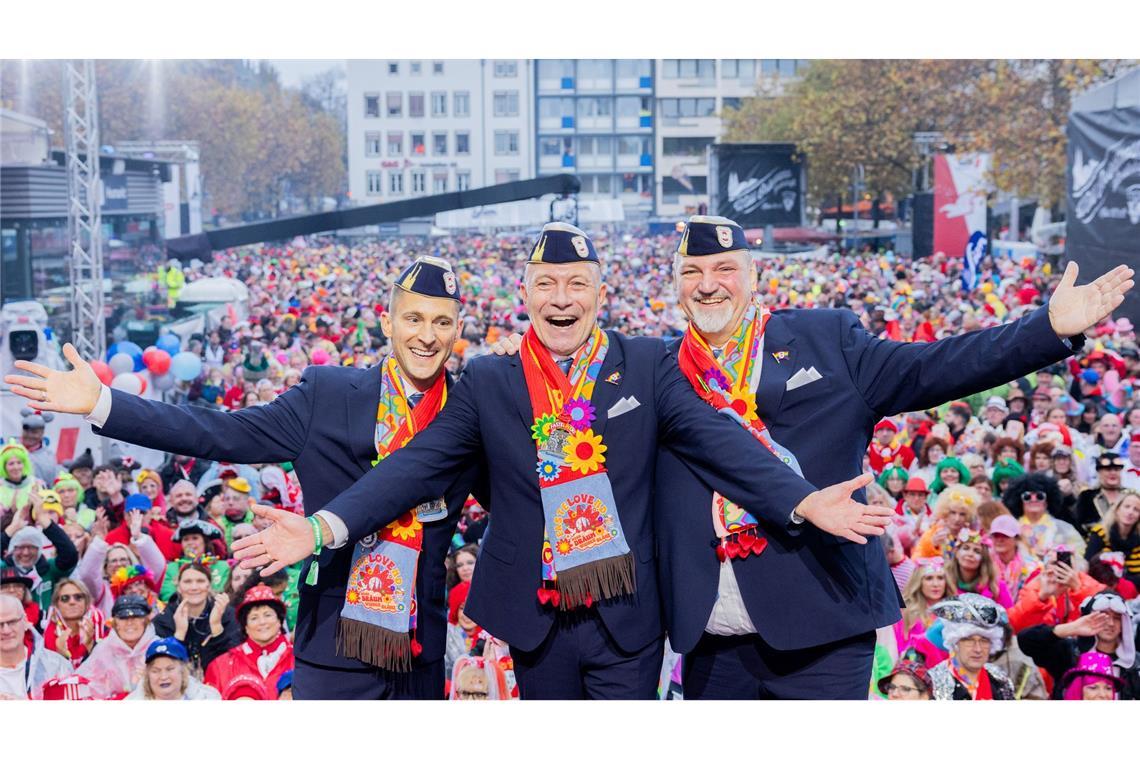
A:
x: 760, y: 611
x: 329, y: 427
x: 567, y: 432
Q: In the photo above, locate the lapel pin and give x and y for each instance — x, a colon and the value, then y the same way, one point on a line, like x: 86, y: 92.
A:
x: 779, y: 356
x: 614, y: 378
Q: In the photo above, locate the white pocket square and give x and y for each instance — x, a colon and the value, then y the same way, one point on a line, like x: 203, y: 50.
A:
x: 802, y: 378
x: 624, y: 405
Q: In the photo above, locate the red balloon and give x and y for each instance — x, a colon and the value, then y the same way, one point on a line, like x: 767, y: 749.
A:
x: 157, y: 361
x: 103, y: 372
x: 142, y: 379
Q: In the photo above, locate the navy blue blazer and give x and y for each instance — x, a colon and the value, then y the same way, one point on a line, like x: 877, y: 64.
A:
x: 809, y: 587
x: 325, y: 425
x: 487, y: 421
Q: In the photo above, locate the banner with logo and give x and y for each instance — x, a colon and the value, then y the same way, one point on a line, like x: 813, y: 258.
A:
x: 758, y: 184
x: 960, y: 188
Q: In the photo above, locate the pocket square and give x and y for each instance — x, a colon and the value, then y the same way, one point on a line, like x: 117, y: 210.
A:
x: 624, y: 405
x: 802, y: 378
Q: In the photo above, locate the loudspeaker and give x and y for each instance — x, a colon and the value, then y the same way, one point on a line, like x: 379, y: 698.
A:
x: 922, y: 225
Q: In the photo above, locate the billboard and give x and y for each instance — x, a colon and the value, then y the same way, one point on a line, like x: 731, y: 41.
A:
x: 757, y: 184
x: 960, y: 188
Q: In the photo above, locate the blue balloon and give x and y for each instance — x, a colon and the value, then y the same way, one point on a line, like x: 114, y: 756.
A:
x: 132, y: 350
x: 170, y: 343
x: 186, y: 366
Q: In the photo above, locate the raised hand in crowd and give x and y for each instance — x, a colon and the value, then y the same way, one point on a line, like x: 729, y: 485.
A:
x: 181, y: 621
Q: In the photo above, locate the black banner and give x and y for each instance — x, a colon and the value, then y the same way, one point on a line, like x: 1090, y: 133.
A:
x: 1103, y: 195
x: 115, y: 196
x: 759, y: 184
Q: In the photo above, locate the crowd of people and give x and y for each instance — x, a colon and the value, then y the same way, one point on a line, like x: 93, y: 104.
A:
x: 1015, y: 547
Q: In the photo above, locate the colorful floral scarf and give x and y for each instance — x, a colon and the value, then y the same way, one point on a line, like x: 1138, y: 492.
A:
x: 377, y: 624
x: 729, y: 386
x: 585, y: 557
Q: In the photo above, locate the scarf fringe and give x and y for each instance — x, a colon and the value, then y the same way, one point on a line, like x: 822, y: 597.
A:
x: 596, y: 581
x: 377, y: 646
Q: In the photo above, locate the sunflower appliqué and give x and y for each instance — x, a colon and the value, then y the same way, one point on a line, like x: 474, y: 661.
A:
x: 743, y: 403
x: 584, y: 452
x: 540, y: 430
x: 579, y: 412
x: 547, y: 470
x: 405, y: 527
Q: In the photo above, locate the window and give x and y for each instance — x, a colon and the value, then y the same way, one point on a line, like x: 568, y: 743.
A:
x: 669, y: 68
x: 396, y: 182
x: 685, y: 146
x: 439, y: 104
x: 730, y: 103
x: 418, y: 147
x: 550, y: 146
x: 505, y: 69
x: 555, y: 68
x: 393, y: 67
x: 439, y: 144
x: 506, y: 175
x: 372, y: 106
x: 596, y: 70
x: 419, y: 182
x: 768, y: 67
x: 375, y: 183
x: 462, y: 181
x: 416, y: 105
x: 604, y: 184
x: 728, y: 68
x: 437, y: 67
x: 672, y: 108
x: 506, y: 143
x: 633, y: 146
x: 417, y: 68
x: 688, y: 68
x: 589, y: 108
x: 462, y: 144
x: 672, y: 187
x: 395, y: 103
x: 787, y: 67
x: 746, y: 69
x: 634, y: 68
x: 462, y: 104
x: 439, y: 182
x: 395, y: 143
x: 506, y: 103
x: 372, y: 143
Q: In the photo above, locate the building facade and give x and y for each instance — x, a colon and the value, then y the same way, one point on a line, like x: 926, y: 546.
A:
x: 424, y: 127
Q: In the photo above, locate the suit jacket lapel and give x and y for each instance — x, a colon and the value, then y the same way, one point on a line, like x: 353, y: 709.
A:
x: 519, y: 393
x: 361, y: 406
x: 775, y: 374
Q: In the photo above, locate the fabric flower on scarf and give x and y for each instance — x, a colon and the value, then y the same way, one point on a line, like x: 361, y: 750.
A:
x: 547, y: 469
x: 580, y: 413
x: 540, y: 430
x: 584, y: 452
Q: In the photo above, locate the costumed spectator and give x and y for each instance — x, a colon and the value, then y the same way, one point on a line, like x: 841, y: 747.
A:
x: 1013, y: 561
x: 74, y: 625
x: 25, y: 663
x: 236, y: 498
x: 101, y: 560
x: 82, y: 469
x: 913, y: 512
x: 1055, y: 594
x: 883, y: 453
x: 70, y: 498
x: 1119, y: 532
x: 107, y: 492
x: 202, y: 622
x: 23, y: 551
x: 902, y: 566
x: 933, y: 451
x: 956, y: 508
x: 1036, y: 501
x: 266, y: 654
x: 1094, y: 503
x: 971, y: 632
x: 894, y: 479
x: 19, y: 587
x: 17, y: 479
x: 137, y: 580
x: 168, y: 676
x: 988, y: 511
x: 477, y: 678
x: 180, y: 467
x: 474, y: 522
x: 463, y: 634
x: 1005, y: 472
x: 1104, y: 625
x: 927, y: 586
x: 908, y: 680
x: 195, y: 537
x: 972, y: 569
x: 1092, y: 678
x: 949, y: 472
x: 149, y: 483
x: 117, y: 665
x: 44, y: 466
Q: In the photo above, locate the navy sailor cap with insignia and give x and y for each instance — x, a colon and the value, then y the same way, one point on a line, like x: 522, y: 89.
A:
x: 429, y: 276
x: 706, y: 235
x: 561, y: 243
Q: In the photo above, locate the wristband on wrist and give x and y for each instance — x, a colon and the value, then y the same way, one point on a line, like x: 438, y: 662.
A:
x: 318, y: 544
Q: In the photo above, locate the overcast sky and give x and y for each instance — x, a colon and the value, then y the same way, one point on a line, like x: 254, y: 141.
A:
x: 293, y: 72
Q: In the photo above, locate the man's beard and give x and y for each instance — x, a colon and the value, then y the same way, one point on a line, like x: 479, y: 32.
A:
x: 710, y: 321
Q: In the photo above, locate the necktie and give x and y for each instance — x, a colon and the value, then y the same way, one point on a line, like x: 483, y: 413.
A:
x: 414, y: 399
x: 564, y: 365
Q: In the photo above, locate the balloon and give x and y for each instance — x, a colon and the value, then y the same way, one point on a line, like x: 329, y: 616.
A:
x: 320, y: 356
x: 142, y: 379
x: 164, y: 382
x: 128, y: 382
x: 157, y: 361
x: 169, y: 342
x: 103, y: 372
x: 186, y: 366
x: 132, y: 350
x: 121, y: 364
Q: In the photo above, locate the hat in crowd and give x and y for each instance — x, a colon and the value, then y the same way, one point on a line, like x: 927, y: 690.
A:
x: 886, y: 424
x: 51, y: 501
x: 34, y: 420
x: 1090, y: 376
x: 125, y: 463
x: 65, y: 480
x: 997, y: 402
x: 125, y: 576
x: 168, y: 647
x: 27, y: 536
x: 1092, y: 667
x: 1005, y: 525
x: 201, y: 527
x: 12, y: 575
x: 285, y: 682
x: 971, y: 614
x: 708, y: 235
x: 259, y: 594
x: 916, y: 485
x: 137, y: 501
x: 429, y: 276
x: 1109, y: 460
x: 241, y: 485
x: 245, y: 685
x: 561, y: 243
x: 1061, y: 451
x: 130, y: 606
x: 455, y: 599
x: 72, y: 688
x: 1124, y: 325
x: 915, y: 670
x: 1110, y: 601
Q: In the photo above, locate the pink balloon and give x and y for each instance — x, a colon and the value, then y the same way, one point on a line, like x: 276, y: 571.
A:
x: 103, y: 372
x: 320, y: 356
x: 156, y: 360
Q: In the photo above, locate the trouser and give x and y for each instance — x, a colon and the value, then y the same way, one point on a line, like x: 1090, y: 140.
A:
x: 580, y: 660
x: 745, y: 667
x: 424, y: 681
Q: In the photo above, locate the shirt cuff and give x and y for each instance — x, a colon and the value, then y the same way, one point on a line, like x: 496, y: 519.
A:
x: 102, y: 411
x: 336, y: 525
x: 796, y: 519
